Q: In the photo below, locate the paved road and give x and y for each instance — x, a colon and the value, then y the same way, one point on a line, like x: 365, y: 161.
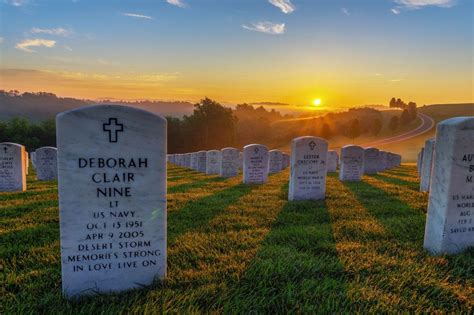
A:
x: 427, y: 123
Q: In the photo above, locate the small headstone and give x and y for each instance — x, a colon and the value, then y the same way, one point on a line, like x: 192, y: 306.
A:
x: 332, y: 161
x: 275, y: 161
x: 230, y: 162
x: 213, y: 162
x: 450, y: 217
x: 46, y: 163
x: 201, y: 161
x: 371, y: 159
x: 12, y: 167
x: 112, y: 198
x: 255, y: 166
x: 194, y: 161
x: 352, y: 163
x: 382, y: 163
x: 426, y: 165
x: 308, y: 169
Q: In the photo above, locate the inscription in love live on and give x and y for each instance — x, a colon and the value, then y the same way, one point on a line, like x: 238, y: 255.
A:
x: 106, y: 239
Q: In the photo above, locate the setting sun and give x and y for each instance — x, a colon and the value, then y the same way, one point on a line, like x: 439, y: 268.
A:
x: 317, y: 102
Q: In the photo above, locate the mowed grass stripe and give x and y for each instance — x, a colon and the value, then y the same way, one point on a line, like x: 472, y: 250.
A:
x: 401, y: 276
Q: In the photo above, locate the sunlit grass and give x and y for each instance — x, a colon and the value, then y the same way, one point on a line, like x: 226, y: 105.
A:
x: 245, y: 249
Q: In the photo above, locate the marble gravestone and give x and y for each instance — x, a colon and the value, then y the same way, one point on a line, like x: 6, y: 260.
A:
x: 426, y: 165
x: 201, y: 158
x: 352, y: 163
x: 450, y: 218
x: 213, y: 162
x: 12, y: 167
x: 275, y: 161
x: 187, y: 160
x: 371, y: 159
x: 382, y: 163
x: 229, y: 162
x: 332, y: 161
x: 194, y: 161
x: 308, y: 168
x: 255, y: 160
x: 33, y: 159
x: 46, y: 163
x: 112, y: 198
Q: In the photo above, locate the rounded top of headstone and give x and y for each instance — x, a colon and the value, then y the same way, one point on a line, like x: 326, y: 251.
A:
x: 352, y: 148
x: 255, y: 145
x: 229, y: 148
x: 213, y: 152
x: 371, y: 149
x: 308, y: 138
x: 107, y: 107
x: 46, y: 148
x: 11, y: 144
x: 275, y: 151
x: 461, y: 121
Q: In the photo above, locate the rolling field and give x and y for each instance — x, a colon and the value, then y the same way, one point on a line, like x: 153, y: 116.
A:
x: 239, y: 249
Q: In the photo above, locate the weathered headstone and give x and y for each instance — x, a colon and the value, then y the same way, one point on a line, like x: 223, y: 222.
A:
x: 112, y: 198
x: 382, y: 163
x: 230, y: 162
x: 352, y: 163
x: 12, y: 167
x: 308, y: 169
x: 213, y: 162
x: 427, y: 163
x: 450, y: 218
x: 46, y: 163
x: 255, y: 167
x: 275, y: 161
x: 201, y: 161
x: 332, y: 161
x: 371, y: 159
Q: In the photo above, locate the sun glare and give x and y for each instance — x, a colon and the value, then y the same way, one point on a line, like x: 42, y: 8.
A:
x: 317, y: 102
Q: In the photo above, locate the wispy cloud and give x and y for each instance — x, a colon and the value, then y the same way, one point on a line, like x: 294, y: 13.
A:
x: 37, y: 42
x: 345, y: 11
x: 419, y: 4
x: 139, y: 16
x: 395, y: 80
x: 68, y: 48
x: 266, y: 27
x: 17, y: 3
x: 284, y: 5
x: 177, y: 3
x: 51, y: 31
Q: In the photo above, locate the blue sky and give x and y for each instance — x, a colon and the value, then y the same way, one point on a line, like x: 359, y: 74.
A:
x: 345, y: 52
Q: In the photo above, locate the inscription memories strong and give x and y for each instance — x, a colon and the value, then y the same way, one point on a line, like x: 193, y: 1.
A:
x: 112, y: 198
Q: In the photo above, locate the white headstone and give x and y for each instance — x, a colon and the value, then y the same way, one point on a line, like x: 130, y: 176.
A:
x: 352, y: 163
x: 308, y: 169
x: 33, y: 159
x: 371, y: 160
x: 450, y: 218
x: 332, y: 161
x: 230, y: 162
x: 201, y: 157
x: 112, y: 198
x: 382, y: 163
x: 275, y: 161
x: 213, y: 162
x: 255, y: 167
x: 12, y: 167
x: 187, y: 160
x: 194, y: 161
x: 426, y: 165
x: 46, y: 163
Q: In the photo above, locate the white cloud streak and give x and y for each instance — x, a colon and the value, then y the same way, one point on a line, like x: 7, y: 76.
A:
x: 419, y: 4
x: 345, y: 11
x: 37, y: 42
x: 139, y: 16
x: 284, y: 5
x: 17, y: 3
x: 266, y: 27
x: 51, y: 31
x: 177, y: 3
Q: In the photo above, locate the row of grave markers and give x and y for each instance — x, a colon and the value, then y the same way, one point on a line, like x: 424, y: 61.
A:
x: 446, y: 167
x: 111, y: 166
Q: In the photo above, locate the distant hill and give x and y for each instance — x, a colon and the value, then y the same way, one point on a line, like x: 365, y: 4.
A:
x: 41, y: 106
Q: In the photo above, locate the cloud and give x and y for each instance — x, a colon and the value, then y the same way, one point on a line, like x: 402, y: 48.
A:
x: 284, y: 5
x: 37, y: 42
x: 68, y: 48
x: 51, y: 31
x: 266, y: 27
x: 17, y: 3
x: 345, y: 11
x: 419, y: 4
x: 140, y: 16
x: 177, y: 3
x: 395, y: 80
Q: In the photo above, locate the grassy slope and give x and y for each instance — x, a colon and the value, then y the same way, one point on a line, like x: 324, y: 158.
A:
x: 237, y: 249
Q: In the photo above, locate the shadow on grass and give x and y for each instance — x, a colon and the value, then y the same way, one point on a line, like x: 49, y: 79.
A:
x: 296, y: 269
x: 397, y: 181
x: 196, y: 184
x: 198, y: 212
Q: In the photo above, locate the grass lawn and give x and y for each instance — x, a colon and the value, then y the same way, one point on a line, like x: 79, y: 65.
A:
x: 239, y: 249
